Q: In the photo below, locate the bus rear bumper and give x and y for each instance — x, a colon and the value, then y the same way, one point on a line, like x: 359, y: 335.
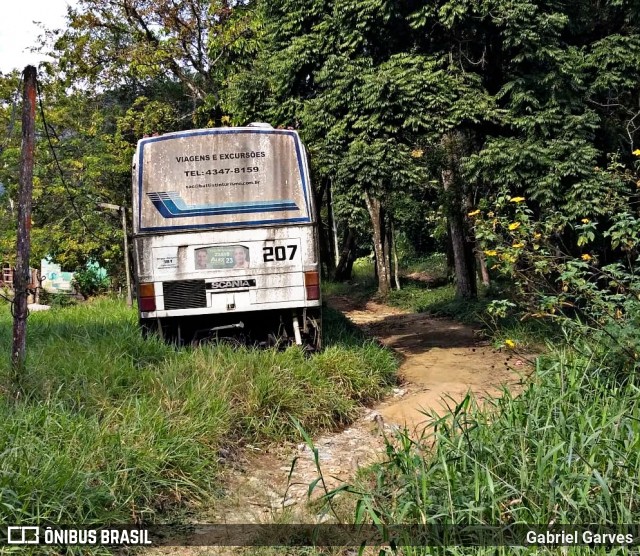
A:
x: 299, y: 325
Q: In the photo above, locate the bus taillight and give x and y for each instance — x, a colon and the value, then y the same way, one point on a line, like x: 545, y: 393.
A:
x: 147, y: 297
x: 312, y: 285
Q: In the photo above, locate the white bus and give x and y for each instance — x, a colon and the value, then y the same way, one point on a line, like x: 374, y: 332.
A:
x: 225, y: 236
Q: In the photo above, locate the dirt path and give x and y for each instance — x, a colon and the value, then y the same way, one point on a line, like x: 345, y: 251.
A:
x: 442, y: 361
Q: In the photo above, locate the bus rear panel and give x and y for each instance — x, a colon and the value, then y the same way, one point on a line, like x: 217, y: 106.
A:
x: 225, y: 236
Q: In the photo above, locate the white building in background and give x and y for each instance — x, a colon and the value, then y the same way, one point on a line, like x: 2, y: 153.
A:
x: 53, y: 278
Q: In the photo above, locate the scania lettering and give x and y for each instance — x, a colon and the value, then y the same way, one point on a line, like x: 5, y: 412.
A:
x: 225, y: 236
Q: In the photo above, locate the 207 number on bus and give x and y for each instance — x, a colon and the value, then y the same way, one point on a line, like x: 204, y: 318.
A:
x: 279, y: 253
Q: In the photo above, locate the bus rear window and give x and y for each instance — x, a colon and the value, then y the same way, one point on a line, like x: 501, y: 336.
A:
x: 217, y: 179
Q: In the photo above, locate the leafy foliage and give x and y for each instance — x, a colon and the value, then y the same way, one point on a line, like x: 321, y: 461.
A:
x: 90, y: 281
x: 563, y: 451
x: 515, y: 120
x: 575, y: 286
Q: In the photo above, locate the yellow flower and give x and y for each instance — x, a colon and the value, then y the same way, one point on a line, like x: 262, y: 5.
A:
x: 474, y: 213
x: 510, y: 343
x: 518, y: 245
x: 514, y: 226
x: 517, y: 199
x: 636, y: 152
x: 491, y: 252
x: 491, y: 214
x: 586, y: 257
x: 225, y: 120
x: 537, y: 235
x: 585, y: 220
x: 417, y: 153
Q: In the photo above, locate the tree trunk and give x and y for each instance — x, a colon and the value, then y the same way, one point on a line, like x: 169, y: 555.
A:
x: 470, y: 257
x: 22, y: 276
x: 386, y: 246
x: 332, y: 243
x: 462, y: 246
x: 396, y: 270
x: 350, y: 260
x: 479, y: 260
x: 347, y: 256
x: 463, y: 263
x: 451, y: 267
x: 484, y: 271
x: 327, y: 255
x: 332, y: 223
x: 374, y: 206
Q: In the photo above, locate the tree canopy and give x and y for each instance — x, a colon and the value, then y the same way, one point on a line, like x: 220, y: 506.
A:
x: 415, y: 115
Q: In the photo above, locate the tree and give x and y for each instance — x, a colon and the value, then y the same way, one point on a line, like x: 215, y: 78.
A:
x: 130, y: 43
x: 343, y: 72
x: 122, y: 69
x: 412, y: 112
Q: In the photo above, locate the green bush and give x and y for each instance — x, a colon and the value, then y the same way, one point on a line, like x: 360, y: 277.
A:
x: 57, y: 300
x: 90, y: 281
x: 571, y: 285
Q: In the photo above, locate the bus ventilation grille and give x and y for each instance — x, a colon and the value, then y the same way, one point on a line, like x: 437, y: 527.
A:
x: 184, y: 294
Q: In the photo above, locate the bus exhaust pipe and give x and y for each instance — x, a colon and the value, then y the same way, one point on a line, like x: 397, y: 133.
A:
x: 296, y: 330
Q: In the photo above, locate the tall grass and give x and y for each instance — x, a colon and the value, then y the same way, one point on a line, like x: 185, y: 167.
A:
x: 567, y: 450
x: 434, y: 264
x: 439, y: 301
x: 114, y: 428
x: 362, y: 286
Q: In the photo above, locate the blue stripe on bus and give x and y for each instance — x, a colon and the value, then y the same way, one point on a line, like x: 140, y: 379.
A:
x: 168, y: 208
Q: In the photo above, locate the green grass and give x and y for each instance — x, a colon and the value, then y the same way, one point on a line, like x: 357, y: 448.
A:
x: 440, y: 301
x: 434, y: 264
x: 567, y: 450
x: 415, y: 295
x: 362, y: 285
x: 112, y: 428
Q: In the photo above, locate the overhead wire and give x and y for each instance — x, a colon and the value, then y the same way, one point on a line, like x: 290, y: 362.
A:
x: 55, y: 157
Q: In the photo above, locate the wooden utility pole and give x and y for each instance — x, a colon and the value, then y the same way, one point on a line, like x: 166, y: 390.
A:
x: 123, y: 212
x: 22, y: 275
